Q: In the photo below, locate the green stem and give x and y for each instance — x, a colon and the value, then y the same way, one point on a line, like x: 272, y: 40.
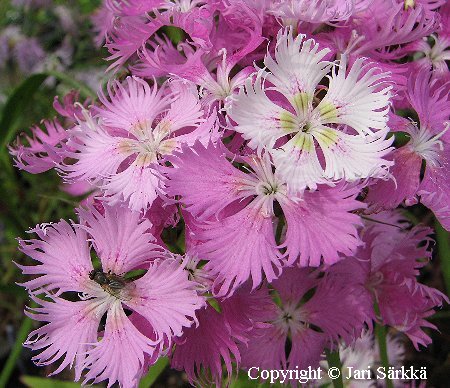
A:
x: 380, y: 332
x: 154, y: 372
x: 334, y: 361
x: 443, y: 247
x: 15, y: 352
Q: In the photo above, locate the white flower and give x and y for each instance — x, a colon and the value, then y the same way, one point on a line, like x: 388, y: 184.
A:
x: 312, y: 141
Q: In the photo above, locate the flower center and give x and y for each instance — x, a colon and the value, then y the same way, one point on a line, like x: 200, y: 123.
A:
x: 425, y: 144
x: 290, y: 318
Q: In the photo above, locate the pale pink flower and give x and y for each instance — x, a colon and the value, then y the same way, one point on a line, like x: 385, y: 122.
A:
x: 363, y: 354
x: 46, y: 149
x: 315, y: 11
x: 163, y: 296
x: 118, y: 148
x: 41, y: 152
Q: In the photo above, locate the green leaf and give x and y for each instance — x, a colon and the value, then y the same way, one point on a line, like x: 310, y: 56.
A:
x: 154, y: 372
x: 380, y: 333
x: 42, y: 382
x: 13, y: 289
x: 22, y: 97
x: 443, y: 247
x: 214, y: 304
x: 16, y: 105
x: 175, y: 34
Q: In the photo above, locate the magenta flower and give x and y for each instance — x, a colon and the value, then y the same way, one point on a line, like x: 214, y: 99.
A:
x: 163, y: 296
x: 332, y: 312
x: 429, y: 142
x: 235, y: 216
x: 390, y: 263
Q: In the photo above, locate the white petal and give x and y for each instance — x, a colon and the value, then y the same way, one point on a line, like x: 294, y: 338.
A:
x: 297, y: 68
x: 137, y: 184
x: 259, y: 119
x: 362, y: 102
x: 352, y: 157
x: 99, y: 154
x: 297, y: 163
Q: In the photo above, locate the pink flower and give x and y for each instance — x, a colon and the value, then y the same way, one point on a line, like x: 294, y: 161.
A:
x: 429, y: 142
x: 385, y: 24
x: 315, y: 11
x: 331, y: 313
x: 201, y: 349
x: 134, y: 31
x: 163, y: 296
x: 235, y: 218
x: 44, y: 151
x: 238, y: 33
x: 390, y: 262
x: 119, y: 148
x: 103, y: 23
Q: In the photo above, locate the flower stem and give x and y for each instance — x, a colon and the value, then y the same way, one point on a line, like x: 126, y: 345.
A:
x: 334, y: 361
x: 380, y: 332
x: 443, y: 248
x: 15, y: 351
x: 154, y: 372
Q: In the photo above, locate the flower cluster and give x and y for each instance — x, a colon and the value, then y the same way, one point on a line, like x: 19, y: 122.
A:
x: 266, y: 136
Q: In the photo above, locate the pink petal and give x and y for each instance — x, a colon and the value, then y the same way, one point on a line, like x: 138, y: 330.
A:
x: 239, y: 247
x: 322, y: 225
x: 63, y: 254
x: 120, y: 354
x: 203, y: 177
x: 388, y: 194
x: 166, y: 299
x: 80, y: 319
x: 120, y: 237
x: 200, y: 351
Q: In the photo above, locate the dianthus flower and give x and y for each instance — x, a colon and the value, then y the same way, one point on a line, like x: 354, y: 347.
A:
x: 310, y: 325
x: 234, y: 217
x: 76, y: 296
x: 130, y: 133
x: 389, y: 262
x: 202, y: 348
x: 429, y: 142
x: 363, y: 354
x: 287, y: 120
